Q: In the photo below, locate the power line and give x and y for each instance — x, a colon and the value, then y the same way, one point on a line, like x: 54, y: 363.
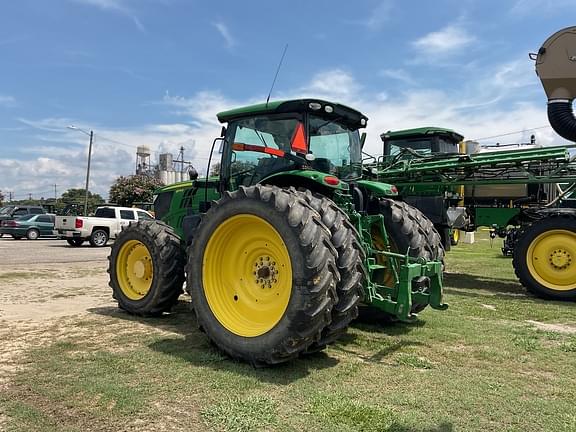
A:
x: 511, y: 133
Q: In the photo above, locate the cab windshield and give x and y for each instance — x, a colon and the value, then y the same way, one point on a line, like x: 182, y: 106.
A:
x: 336, y: 148
x: 249, y: 167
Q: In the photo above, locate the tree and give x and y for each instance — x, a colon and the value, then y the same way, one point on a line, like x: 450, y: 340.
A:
x: 235, y: 168
x: 74, y: 198
x: 126, y: 191
x: 1, y: 197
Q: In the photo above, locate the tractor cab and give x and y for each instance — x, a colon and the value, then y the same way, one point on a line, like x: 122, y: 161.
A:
x: 288, y: 138
x: 420, y: 142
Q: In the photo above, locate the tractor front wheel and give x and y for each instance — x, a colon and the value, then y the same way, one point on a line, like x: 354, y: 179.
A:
x: 262, y: 274
x: 545, y: 257
x: 146, y: 267
x: 407, y: 227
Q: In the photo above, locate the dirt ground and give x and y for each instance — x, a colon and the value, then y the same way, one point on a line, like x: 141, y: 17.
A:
x: 43, y: 283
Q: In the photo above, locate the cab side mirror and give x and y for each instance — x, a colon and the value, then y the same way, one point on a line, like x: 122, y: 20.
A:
x: 192, y: 173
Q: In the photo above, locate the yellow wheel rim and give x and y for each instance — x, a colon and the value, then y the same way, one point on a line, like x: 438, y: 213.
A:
x: 551, y: 259
x: 247, y: 275
x: 456, y: 235
x: 378, y: 241
x: 134, y: 269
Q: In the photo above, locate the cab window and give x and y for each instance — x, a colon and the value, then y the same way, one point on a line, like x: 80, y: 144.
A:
x: 144, y: 216
x: 249, y: 167
x: 127, y: 215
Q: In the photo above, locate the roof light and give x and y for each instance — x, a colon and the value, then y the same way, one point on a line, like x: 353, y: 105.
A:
x: 310, y: 157
x: 328, y: 109
x: 363, y: 122
x: 331, y: 180
x: 314, y: 106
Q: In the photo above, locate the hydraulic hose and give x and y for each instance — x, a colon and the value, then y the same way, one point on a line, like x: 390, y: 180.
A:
x: 561, y: 117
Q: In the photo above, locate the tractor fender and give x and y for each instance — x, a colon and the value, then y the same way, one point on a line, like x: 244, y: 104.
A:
x: 308, y: 179
x: 378, y: 189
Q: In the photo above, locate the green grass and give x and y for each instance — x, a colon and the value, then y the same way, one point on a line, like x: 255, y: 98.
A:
x: 479, y: 366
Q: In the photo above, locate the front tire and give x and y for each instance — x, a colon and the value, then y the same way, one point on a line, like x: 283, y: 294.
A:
x: 455, y: 237
x: 146, y: 267
x: 262, y: 275
x: 32, y: 234
x: 99, y: 238
x: 545, y: 257
x: 408, y: 227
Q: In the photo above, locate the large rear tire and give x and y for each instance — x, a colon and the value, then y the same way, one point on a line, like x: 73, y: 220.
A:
x: 408, y: 227
x: 544, y: 257
x: 262, y: 275
x: 146, y: 267
x: 350, y: 262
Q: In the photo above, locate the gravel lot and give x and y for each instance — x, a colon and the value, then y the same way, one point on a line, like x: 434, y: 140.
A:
x: 46, y: 251
x: 43, y: 282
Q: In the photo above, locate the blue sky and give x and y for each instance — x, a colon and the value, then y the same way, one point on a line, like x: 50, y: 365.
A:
x: 155, y: 72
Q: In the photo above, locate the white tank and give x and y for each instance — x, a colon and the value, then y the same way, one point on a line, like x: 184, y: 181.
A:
x: 143, y: 151
x: 164, y: 177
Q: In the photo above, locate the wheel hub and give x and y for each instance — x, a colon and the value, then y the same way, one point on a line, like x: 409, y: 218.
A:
x: 142, y: 268
x: 265, y: 273
x: 560, y: 259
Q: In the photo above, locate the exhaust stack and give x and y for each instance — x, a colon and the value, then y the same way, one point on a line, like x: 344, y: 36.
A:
x: 556, y: 68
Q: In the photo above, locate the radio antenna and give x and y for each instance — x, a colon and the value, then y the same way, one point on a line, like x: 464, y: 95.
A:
x: 276, y: 76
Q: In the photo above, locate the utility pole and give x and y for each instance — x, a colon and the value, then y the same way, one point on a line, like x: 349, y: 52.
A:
x: 182, y: 153
x: 88, y: 173
x: 10, y: 196
x: 30, y: 197
x: 91, y: 135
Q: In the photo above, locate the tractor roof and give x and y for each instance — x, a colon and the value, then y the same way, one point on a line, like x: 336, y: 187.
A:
x: 417, y: 132
x: 347, y: 115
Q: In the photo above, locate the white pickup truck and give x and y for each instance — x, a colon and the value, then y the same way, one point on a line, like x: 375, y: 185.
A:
x: 106, y: 224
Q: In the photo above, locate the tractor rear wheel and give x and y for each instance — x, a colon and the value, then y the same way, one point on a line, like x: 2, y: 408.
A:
x: 350, y: 262
x: 146, y: 267
x: 545, y: 257
x: 455, y: 237
x: 407, y: 227
x: 262, y: 274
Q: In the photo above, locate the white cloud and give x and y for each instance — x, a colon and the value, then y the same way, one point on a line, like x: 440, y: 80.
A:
x: 335, y: 83
x: 448, y: 40
x: 399, y: 75
x: 117, y: 6
x: 7, y: 101
x: 380, y: 15
x: 225, y: 33
x: 112, y: 5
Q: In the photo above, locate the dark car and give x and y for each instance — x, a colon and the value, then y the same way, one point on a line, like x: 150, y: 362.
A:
x: 13, y: 211
x: 31, y: 226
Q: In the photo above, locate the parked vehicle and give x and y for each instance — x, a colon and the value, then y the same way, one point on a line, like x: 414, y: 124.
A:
x: 106, y: 223
x: 31, y: 226
x: 13, y: 211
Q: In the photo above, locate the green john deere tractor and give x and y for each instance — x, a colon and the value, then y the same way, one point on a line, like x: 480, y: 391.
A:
x: 280, y: 249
